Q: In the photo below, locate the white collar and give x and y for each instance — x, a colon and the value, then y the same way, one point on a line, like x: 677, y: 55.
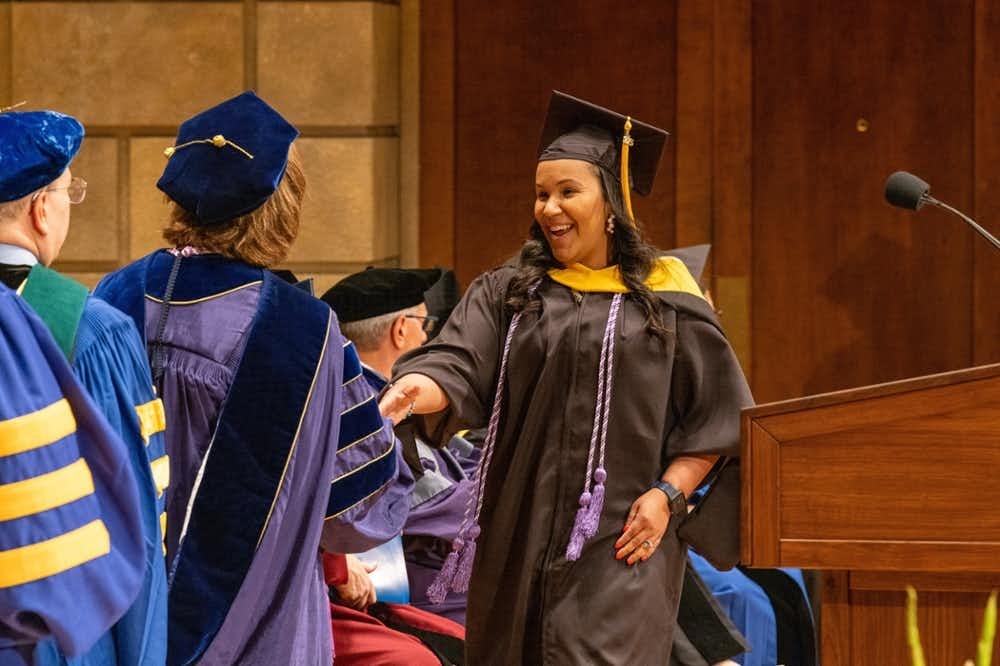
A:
x: 14, y: 255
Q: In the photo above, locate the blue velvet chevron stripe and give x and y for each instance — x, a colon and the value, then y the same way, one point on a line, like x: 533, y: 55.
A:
x: 249, y: 453
x: 355, y: 486
x: 375, y: 380
x: 360, y: 422
x: 352, y: 364
x: 254, y: 437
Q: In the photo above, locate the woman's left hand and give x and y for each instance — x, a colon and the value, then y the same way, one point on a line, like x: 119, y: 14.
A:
x: 647, y: 521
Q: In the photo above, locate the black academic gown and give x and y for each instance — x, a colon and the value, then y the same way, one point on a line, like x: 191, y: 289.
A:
x: 527, y: 603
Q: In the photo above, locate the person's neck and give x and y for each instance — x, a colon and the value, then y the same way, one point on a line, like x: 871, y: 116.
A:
x: 12, y: 234
x: 380, y: 361
x: 591, y: 263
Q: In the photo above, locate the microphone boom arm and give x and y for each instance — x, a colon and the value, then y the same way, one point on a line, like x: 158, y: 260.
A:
x: 972, y: 223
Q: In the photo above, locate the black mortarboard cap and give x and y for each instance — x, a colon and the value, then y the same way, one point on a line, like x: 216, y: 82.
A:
x: 442, y: 297
x: 578, y: 130
x: 379, y: 291
x: 694, y: 258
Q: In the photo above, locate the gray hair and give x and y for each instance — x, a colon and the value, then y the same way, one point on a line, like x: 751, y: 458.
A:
x: 12, y: 210
x: 367, y: 334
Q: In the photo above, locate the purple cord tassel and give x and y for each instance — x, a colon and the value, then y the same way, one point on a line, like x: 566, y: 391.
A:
x: 439, y: 589
x: 577, y: 537
x: 588, y: 516
x: 596, y: 504
x: 463, y: 574
x: 457, y: 570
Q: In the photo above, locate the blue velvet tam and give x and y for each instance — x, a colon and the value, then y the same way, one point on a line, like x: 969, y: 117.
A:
x: 35, y: 149
x: 228, y: 160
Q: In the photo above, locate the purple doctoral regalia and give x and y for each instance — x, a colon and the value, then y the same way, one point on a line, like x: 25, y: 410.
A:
x: 256, y: 377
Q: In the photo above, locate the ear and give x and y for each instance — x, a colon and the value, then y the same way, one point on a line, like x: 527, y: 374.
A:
x: 397, y: 333
x: 38, y: 215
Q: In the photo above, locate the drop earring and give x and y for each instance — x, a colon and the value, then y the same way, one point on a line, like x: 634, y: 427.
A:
x: 610, y: 226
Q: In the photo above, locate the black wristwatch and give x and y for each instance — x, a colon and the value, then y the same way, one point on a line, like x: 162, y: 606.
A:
x: 675, y: 498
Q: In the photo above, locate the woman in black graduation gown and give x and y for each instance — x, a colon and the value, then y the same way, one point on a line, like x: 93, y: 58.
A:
x: 599, y: 371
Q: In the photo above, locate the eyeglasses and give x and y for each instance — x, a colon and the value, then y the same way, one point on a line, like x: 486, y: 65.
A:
x: 76, y: 190
x: 427, y: 322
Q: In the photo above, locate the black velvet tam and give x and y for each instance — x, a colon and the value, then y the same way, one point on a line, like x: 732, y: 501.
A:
x: 35, y: 149
x: 578, y: 130
x: 378, y: 291
x: 209, y: 170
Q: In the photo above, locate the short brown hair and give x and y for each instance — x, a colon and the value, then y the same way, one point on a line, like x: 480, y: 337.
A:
x: 262, y: 237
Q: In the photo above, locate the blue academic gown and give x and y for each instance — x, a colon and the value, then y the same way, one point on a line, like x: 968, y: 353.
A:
x: 71, y: 544
x: 110, y: 361
x: 748, y: 606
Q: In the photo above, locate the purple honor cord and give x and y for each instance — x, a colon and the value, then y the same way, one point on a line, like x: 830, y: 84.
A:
x: 457, y: 568
x: 588, y: 516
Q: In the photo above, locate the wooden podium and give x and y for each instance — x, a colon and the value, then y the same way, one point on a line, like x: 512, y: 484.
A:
x: 880, y: 487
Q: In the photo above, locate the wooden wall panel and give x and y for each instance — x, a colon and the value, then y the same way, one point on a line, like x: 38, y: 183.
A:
x: 766, y: 161
x: 846, y: 290
x: 732, y: 178
x: 437, y: 133
x: 692, y: 134
x: 508, y: 57
x: 712, y: 146
x: 986, y: 311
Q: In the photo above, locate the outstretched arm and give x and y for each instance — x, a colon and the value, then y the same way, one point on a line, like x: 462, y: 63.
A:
x: 412, y: 394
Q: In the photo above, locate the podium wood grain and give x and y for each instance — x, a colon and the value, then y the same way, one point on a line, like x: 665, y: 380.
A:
x: 882, y: 486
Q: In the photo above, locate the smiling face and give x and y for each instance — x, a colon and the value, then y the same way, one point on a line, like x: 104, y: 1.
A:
x: 571, y: 209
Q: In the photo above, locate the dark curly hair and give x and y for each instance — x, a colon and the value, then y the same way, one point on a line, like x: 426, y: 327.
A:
x: 635, y: 258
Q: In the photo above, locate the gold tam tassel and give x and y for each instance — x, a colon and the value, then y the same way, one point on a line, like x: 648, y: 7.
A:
x: 12, y: 106
x: 218, y: 141
x: 627, y: 141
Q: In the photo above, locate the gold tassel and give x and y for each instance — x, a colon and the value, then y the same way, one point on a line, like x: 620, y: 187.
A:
x: 218, y: 141
x: 12, y: 106
x: 627, y: 141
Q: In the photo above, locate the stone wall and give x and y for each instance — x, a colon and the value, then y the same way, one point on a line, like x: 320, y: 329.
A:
x: 132, y: 71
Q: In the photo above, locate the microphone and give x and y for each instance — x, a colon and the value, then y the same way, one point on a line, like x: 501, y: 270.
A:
x: 904, y: 190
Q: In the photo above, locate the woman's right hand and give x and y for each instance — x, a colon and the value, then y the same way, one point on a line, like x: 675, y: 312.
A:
x: 398, y: 403
x: 412, y: 394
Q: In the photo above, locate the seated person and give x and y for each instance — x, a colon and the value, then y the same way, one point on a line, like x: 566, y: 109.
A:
x: 383, y: 311
x: 769, y: 606
x: 394, y: 319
